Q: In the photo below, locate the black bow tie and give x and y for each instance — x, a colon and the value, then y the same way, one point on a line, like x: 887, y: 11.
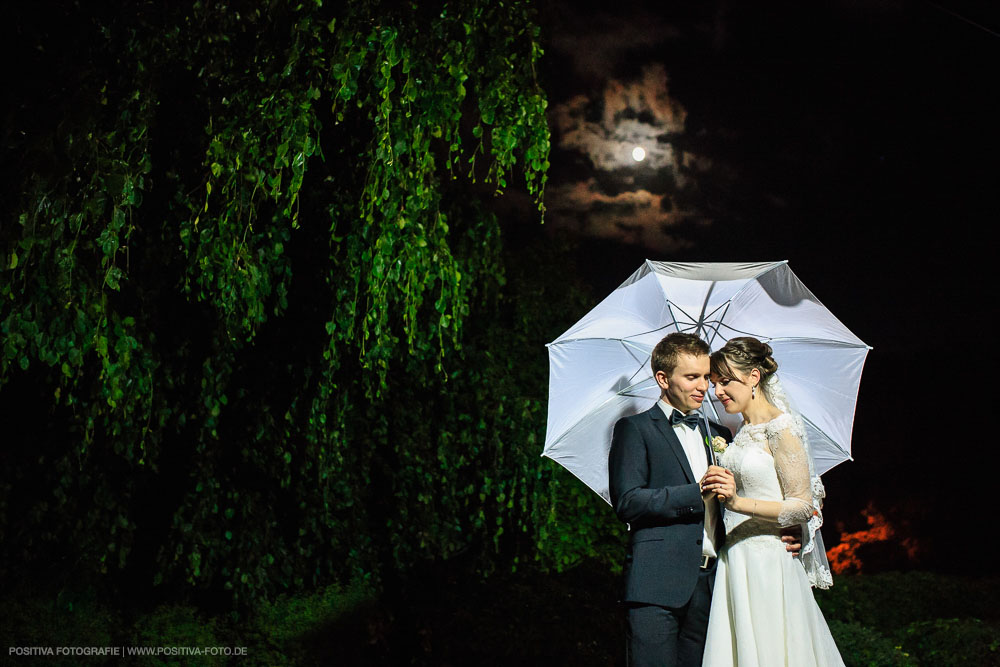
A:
x: 689, y: 420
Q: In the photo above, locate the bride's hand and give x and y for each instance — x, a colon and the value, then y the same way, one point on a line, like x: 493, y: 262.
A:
x: 720, y: 482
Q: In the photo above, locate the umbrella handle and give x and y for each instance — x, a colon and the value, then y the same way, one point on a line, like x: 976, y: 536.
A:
x: 708, y: 436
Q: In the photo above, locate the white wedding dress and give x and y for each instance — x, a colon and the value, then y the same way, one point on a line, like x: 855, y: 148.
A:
x: 763, y: 610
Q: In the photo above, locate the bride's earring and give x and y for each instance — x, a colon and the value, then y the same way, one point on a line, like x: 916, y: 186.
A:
x: 753, y: 392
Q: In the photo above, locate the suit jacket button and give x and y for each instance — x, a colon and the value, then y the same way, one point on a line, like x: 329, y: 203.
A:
x: 698, y: 542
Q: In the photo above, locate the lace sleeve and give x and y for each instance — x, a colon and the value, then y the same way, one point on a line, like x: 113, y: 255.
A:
x: 790, y: 430
x: 792, y: 465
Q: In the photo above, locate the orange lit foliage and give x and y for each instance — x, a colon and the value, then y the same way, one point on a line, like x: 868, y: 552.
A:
x: 844, y: 557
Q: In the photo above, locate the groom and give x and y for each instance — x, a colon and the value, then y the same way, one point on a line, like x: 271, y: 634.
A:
x: 657, y: 461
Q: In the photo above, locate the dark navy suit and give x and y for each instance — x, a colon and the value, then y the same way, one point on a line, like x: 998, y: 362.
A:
x: 655, y: 492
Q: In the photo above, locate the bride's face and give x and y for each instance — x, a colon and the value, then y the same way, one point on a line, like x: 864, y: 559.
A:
x: 733, y: 393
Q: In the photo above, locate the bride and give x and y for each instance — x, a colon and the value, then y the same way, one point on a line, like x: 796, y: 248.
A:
x: 763, y: 612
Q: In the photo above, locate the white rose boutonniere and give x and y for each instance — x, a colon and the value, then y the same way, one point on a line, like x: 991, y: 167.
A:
x: 719, y: 445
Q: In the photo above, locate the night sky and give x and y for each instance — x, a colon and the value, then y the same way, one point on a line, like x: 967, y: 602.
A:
x: 856, y: 140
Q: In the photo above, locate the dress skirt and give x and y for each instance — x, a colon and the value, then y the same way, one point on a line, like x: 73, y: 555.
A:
x: 763, y: 610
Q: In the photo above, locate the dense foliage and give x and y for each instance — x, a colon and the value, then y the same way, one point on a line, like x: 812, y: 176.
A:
x: 254, y: 328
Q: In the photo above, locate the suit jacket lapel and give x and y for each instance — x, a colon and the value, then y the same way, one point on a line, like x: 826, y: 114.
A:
x: 673, y: 444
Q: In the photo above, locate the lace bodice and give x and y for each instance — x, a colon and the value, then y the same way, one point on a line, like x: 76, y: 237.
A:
x: 769, y: 463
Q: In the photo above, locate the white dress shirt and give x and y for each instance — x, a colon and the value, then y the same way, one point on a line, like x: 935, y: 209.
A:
x: 694, y: 448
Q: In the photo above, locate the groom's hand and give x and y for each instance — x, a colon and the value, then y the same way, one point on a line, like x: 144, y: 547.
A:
x: 792, y: 537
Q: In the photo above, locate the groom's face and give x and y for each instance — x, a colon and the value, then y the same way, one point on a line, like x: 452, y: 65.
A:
x: 685, y: 388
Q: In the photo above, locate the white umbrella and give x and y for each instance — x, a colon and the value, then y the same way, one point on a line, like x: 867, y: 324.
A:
x: 599, y: 369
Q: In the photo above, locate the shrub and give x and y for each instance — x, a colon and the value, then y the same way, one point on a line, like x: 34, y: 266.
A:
x: 311, y: 629
x: 67, y: 620
x: 176, y: 626
x: 954, y: 641
x: 863, y: 647
x: 889, y: 602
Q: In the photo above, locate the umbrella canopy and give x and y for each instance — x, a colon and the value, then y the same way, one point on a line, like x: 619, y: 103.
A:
x: 599, y: 370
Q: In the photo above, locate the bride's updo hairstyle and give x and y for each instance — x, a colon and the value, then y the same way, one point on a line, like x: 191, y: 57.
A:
x: 740, y: 356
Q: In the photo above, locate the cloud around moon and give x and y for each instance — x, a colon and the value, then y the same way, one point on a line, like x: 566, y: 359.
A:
x: 609, y: 194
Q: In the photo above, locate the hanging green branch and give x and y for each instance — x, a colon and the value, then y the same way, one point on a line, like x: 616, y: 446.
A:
x: 218, y: 179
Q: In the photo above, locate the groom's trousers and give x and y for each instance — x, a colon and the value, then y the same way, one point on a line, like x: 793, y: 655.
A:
x: 671, y: 636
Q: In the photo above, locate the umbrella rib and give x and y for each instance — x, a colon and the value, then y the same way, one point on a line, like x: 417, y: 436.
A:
x: 740, y: 331
x: 562, y: 436
x: 701, y: 322
x: 824, y: 434
x: 718, y: 323
x: 670, y: 309
x: 828, y: 341
x: 619, y: 340
x: 718, y: 308
x: 673, y: 305
x: 704, y: 307
x: 643, y: 333
x: 631, y: 349
x: 625, y: 392
x: 710, y: 405
x: 632, y: 377
x: 756, y: 278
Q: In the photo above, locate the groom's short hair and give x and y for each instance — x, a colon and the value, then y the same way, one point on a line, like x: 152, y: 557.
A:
x: 666, y: 352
